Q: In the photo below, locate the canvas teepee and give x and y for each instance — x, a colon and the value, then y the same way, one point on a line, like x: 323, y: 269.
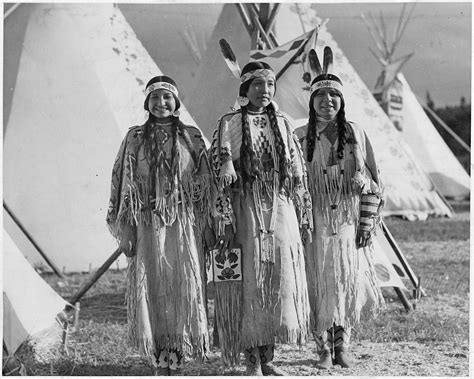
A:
x: 30, y: 306
x: 402, y: 106
x: 74, y: 88
x: 409, y: 190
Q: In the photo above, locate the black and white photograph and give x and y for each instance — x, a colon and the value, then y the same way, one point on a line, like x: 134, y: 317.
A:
x: 237, y: 189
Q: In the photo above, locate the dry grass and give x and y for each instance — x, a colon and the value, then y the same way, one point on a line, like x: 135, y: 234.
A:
x: 432, y: 340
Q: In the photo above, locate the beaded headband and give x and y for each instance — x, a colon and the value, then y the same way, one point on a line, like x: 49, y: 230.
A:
x: 161, y: 85
x: 326, y: 84
x: 259, y: 73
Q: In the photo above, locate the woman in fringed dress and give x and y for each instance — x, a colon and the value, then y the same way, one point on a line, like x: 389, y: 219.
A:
x: 342, y: 169
x: 260, y: 175
x: 160, y: 191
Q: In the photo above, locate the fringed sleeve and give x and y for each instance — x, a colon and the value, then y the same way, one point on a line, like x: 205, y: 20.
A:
x: 199, y: 187
x: 222, y: 153
x: 301, y: 195
x: 119, y: 201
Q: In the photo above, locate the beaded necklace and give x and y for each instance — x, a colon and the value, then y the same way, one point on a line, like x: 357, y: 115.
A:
x: 267, y: 236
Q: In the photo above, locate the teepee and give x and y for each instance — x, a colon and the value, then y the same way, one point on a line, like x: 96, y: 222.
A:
x: 31, y: 308
x: 76, y: 82
x: 400, y: 103
x: 409, y: 189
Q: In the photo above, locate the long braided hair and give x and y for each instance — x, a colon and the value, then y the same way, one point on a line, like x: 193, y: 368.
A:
x: 341, y: 127
x: 249, y: 160
x: 151, y: 145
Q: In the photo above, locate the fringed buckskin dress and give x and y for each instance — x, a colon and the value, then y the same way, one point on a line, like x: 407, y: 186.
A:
x: 342, y: 282
x: 166, y: 306
x: 274, y: 291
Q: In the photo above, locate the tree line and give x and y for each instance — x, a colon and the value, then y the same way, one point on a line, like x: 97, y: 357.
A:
x: 458, y: 118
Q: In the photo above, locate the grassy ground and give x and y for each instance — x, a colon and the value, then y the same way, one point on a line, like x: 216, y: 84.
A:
x: 432, y: 340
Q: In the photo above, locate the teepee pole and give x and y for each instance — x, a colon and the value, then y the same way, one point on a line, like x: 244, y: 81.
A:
x: 411, y: 275
x: 51, y: 264
x: 94, y: 277
x: 272, y: 18
x: 258, y: 29
x: 403, y: 298
x: 244, y: 17
x: 446, y: 127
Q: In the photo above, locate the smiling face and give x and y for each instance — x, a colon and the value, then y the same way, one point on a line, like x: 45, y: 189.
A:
x: 327, y: 103
x: 261, y: 92
x: 161, y: 104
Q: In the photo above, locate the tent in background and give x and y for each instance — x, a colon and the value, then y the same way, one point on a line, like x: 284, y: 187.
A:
x: 175, y: 35
x: 409, y: 190
x: 30, y: 306
x: 78, y: 87
x: 402, y: 106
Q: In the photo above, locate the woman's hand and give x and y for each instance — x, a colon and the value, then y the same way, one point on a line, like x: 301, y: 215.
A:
x: 128, y: 241
x: 209, y: 237
x: 225, y: 241
x: 362, y: 238
x: 306, y: 235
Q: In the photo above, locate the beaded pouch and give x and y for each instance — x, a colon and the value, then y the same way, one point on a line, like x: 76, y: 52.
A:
x: 226, y: 265
x: 369, y: 217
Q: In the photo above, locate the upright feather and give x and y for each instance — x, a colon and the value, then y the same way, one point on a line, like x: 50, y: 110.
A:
x: 314, y: 63
x: 230, y: 58
x: 327, y: 62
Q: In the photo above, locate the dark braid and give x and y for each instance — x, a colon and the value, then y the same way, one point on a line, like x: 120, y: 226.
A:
x: 342, y: 130
x: 311, y: 132
x: 175, y: 155
x: 279, y: 148
x: 149, y: 142
x: 248, y: 158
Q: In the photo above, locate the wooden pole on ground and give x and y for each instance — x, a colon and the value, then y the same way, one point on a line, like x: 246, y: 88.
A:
x: 403, y: 299
x: 90, y: 282
x: 411, y: 275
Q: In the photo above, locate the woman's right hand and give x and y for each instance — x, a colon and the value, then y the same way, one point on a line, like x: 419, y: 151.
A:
x: 128, y: 241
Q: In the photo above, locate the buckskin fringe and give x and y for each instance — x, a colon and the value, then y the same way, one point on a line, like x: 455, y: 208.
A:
x: 193, y: 192
x: 228, y: 311
x: 132, y: 301
x: 282, y: 335
x: 348, y: 278
x: 322, y: 191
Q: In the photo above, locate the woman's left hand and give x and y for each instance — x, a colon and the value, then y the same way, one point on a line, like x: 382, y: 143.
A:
x: 362, y: 238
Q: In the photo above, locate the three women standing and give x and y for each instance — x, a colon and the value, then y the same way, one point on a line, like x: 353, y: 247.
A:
x: 160, y: 193
x: 260, y: 176
x: 160, y: 187
x: 342, y: 283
